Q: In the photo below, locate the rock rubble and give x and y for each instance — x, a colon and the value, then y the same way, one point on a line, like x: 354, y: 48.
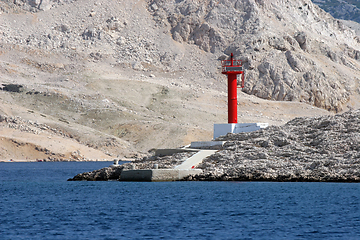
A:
x: 31, y: 126
x: 305, y: 149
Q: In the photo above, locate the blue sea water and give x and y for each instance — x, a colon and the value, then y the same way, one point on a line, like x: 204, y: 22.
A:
x: 38, y: 203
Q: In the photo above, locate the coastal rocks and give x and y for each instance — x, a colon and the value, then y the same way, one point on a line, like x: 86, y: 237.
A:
x: 113, y: 172
x: 304, y: 149
x: 104, y: 174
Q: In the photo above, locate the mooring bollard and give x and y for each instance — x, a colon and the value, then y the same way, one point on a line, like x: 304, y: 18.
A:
x: 156, y: 166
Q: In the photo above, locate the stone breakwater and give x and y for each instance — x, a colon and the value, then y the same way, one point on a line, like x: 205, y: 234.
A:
x: 304, y: 149
x: 113, y: 172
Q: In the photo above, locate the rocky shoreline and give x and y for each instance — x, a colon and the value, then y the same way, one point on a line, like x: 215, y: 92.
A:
x: 322, y: 149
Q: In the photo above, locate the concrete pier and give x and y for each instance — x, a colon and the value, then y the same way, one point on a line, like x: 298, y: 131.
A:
x: 187, y: 168
x: 196, y: 159
x: 157, y: 175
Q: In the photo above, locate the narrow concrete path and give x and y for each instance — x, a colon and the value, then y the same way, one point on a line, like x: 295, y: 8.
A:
x: 195, y: 159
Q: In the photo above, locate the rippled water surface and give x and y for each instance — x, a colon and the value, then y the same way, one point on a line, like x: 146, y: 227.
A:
x: 38, y: 203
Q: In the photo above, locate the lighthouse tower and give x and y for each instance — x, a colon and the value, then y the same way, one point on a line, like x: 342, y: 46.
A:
x: 232, y: 68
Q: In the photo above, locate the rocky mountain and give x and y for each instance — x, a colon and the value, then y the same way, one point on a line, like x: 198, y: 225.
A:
x: 146, y: 74
x: 341, y: 9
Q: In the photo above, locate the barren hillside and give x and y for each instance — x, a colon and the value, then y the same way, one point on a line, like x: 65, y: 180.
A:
x: 122, y: 77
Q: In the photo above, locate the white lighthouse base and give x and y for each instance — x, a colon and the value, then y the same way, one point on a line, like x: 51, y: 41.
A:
x: 223, y: 129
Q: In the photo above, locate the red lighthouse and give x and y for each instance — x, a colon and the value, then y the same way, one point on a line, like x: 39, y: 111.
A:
x: 232, y: 68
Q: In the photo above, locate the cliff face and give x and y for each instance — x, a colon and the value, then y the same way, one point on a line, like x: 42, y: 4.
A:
x: 134, y: 68
x: 292, y: 50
